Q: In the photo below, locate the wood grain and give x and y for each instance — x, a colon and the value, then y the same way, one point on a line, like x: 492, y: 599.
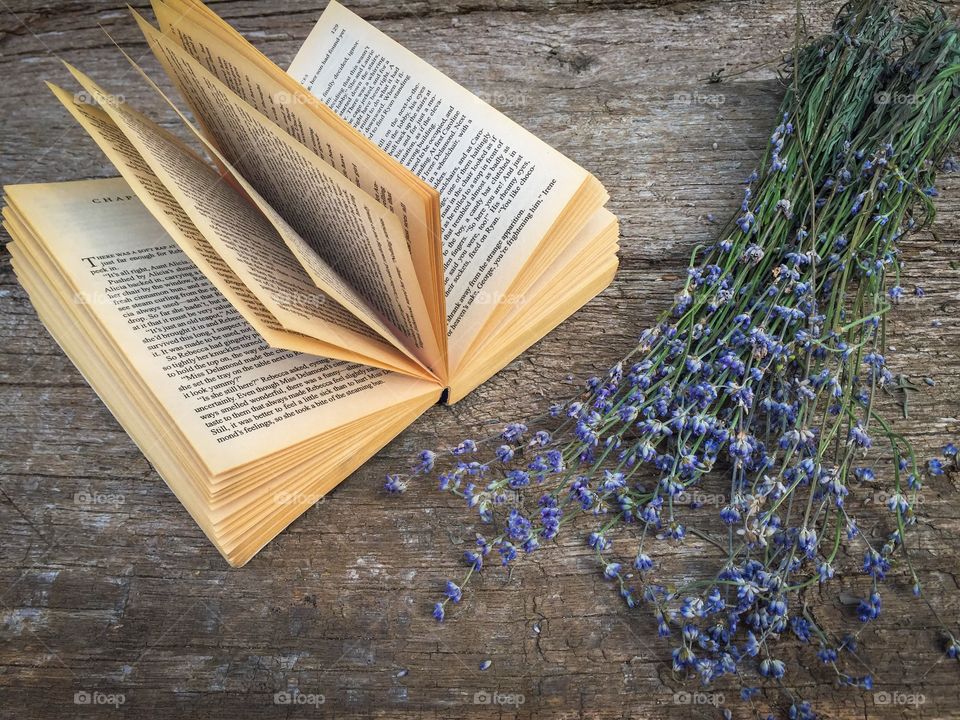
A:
x: 130, y: 598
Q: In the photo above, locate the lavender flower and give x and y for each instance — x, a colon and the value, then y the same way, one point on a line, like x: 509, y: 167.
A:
x: 757, y: 386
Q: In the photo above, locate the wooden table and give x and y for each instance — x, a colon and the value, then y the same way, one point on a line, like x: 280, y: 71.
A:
x: 131, y: 599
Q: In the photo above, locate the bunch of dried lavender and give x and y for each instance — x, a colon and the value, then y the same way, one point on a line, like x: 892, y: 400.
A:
x: 764, y: 372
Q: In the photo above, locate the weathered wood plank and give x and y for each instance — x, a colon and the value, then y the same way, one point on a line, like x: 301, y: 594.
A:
x: 130, y: 598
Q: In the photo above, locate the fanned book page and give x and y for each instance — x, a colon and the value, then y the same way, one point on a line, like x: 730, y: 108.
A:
x: 336, y: 249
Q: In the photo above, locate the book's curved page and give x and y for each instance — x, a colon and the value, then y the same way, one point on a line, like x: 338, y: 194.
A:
x: 314, y: 265
x: 502, y: 190
x: 268, y: 290
x: 319, y: 306
x: 250, y: 74
x: 583, y: 270
x: 352, y: 232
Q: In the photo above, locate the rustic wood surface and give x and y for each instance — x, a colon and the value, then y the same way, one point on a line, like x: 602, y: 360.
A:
x: 132, y: 599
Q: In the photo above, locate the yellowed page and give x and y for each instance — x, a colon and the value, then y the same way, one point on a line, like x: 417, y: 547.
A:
x: 577, y: 258
x: 279, y: 281
x: 196, y: 185
x: 243, y: 527
x: 358, y: 237
x: 249, y: 244
x: 566, y: 285
x: 45, y: 284
x: 512, y: 341
x: 316, y: 267
x: 265, y: 87
x: 501, y: 188
x: 234, y: 398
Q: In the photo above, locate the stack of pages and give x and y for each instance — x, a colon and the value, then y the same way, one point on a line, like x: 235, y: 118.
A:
x: 346, y: 245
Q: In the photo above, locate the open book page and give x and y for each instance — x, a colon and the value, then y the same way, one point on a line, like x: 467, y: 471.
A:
x: 501, y: 189
x: 268, y: 89
x: 581, y: 271
x: 309, y: 261
x: 234, y: 399
x: 240, y: 525
x: 155, y: 197
x: 594, y: 244
x: 237, y: 232
x: 353, y: 233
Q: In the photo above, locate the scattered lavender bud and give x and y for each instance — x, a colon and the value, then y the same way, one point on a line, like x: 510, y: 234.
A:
x: 394, y: 485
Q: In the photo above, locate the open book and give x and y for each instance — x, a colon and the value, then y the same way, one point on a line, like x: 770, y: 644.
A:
x: 348, y: 244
